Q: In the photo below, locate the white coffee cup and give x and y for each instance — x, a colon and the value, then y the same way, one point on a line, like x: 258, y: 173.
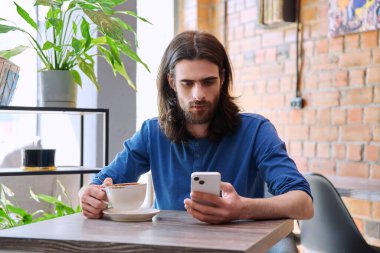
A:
x: 127, y: 196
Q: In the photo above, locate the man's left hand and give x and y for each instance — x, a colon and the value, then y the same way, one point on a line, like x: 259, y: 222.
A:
x: 223, y: 209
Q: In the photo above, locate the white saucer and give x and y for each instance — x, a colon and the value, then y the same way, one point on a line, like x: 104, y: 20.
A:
x: 142, y: 214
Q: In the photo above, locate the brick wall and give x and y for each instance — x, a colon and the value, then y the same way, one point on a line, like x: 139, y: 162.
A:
x: 338, y: 130
x: 205, y: 15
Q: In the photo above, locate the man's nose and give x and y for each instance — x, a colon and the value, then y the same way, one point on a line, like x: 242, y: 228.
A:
x: 198, y: 91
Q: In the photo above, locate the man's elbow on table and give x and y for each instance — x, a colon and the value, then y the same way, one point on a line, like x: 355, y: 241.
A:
x: 307, y: 209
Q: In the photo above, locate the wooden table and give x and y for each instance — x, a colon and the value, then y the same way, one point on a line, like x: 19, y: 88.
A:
x: 360, y: 188
x: 170, y: 231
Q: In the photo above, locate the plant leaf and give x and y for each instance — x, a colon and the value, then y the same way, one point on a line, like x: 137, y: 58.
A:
x: 75, y: 28
x: 124, y: 25
x: 26, y: 16
x: 132, y: 54
x: 68, y: 210
x: 85, y: 30
x: 43, y: 218
x: 88, y: 70
x: 72, y: 5
x: 3, y: 199
x: 49, y: 15
x: 49, y: 199
x: 16, y: 210
x: 33, y: 195
x: 107, y: 55
x: 121, y: 69
x: 111, y: 3
x: 133, y: 14
x: 57, y: 24
x: 114, y: 50
x: 67, y: 60
x: 89, y: 58
x: 106, y: 25
x: 4, y: 214
x: 49, y: 216
x: 49, y: 45
x: 4, y: 223
x: 76, y: 77
x: 46, y: 3
x: 99, y: 40
x: 77, y: 45
x: 7, y: 28
x: 27, y: 218
x: 88, y: 6
x: 7, y: 191
x: 7, y: 54
x: 59, y: 210
x: 38, y: 212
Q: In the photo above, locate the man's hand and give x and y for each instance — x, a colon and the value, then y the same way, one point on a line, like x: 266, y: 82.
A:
x: 295, y: 204
x: 224, y: 209
x: 93, y: 200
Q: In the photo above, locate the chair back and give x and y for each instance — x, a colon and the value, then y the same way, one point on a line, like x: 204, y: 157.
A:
x: 332, y: 228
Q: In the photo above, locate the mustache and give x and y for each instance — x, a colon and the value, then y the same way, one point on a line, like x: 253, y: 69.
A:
x: 199, y: 103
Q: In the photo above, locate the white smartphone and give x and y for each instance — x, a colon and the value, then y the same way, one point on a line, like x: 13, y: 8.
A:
x: 208, y: 182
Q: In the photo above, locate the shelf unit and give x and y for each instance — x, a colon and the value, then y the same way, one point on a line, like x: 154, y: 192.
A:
x: 82, y: 112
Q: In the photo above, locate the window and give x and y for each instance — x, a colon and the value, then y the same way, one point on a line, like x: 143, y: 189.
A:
x: 18, y: 130
x: 153, y: 40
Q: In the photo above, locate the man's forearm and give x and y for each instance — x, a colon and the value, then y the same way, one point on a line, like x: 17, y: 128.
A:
x: 293, y: 204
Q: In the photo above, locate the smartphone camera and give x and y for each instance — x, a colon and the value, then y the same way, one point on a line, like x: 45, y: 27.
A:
x: 199, y: 181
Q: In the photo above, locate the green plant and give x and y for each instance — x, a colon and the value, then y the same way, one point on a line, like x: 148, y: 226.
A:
x: 67, y: 36
x: 12, y: 216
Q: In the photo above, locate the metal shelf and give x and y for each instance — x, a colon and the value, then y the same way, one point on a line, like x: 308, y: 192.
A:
x: 82, y: 112
x: 53, y: 110
x: 59, y: 171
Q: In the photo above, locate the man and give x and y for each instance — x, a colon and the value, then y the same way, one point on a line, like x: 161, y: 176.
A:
x: 199, y: 128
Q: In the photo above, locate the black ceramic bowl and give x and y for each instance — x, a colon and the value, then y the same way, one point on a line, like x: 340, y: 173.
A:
x: 38, y: 159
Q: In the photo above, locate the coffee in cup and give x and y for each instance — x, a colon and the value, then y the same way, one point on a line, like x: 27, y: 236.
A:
x: 127, y: 196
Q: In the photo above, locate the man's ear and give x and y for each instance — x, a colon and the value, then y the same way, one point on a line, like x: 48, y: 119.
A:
x: 171, y: 81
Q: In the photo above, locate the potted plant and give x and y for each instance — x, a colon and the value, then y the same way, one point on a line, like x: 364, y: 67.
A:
x: 67, y: 38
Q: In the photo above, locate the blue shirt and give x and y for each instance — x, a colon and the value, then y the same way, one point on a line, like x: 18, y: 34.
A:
x: 251, y: 156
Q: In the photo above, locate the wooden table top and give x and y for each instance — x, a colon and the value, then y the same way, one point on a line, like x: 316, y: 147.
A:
x: 360, y: 188
x: 170, y: 231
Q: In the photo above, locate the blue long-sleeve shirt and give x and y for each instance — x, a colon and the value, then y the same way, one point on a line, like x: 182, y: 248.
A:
x: 251, y: 156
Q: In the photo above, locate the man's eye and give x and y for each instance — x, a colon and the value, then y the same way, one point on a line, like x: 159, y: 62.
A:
x: 208, y: 82
x: 187, y: 83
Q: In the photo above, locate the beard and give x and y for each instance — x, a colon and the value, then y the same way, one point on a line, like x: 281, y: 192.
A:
x: 199, y: 117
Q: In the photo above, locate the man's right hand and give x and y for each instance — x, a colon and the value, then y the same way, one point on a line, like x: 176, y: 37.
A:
x: 93, y: 200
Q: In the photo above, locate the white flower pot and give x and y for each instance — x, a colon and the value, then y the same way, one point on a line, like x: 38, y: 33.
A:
x: 58, y: 89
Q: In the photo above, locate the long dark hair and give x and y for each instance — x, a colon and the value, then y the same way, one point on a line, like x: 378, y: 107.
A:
x: 195, y: 45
